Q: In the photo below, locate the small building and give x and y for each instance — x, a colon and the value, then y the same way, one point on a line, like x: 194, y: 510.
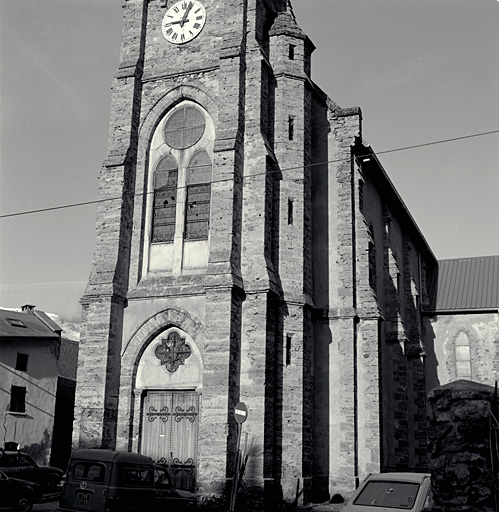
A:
x: 30, y: 344
x: 461, y: 324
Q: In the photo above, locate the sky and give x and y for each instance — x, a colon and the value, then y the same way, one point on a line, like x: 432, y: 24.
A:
x: 422, y: 71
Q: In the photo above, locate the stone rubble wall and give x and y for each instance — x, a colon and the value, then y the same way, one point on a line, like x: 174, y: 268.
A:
x: 459, y: 445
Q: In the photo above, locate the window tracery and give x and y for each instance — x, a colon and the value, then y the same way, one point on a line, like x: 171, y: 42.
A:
x: 181, y: 157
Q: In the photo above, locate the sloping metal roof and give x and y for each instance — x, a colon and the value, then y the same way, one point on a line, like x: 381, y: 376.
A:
x: 24, y: 325
x: 468, y: 284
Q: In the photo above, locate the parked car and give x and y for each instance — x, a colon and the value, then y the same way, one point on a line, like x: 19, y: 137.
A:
x: 394, y: 492
x: 105, y: 480
x: 19, y: 495
x: 20, y: 465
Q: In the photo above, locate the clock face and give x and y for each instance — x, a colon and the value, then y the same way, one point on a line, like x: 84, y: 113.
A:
x: 183, y: 21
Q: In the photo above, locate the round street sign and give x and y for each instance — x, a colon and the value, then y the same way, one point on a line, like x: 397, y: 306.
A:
x: 240, y: 412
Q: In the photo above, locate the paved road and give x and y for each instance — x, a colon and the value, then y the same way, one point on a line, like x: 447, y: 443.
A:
x: 51, y: 506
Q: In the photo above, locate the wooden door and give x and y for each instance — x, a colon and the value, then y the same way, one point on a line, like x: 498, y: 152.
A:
x: 170, y: 421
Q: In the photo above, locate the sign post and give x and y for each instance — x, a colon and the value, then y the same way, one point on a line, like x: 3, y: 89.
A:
x: 240, y: 415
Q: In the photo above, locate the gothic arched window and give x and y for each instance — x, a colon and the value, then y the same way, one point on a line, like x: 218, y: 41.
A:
x: 165, y: 200
x: 179, y: 199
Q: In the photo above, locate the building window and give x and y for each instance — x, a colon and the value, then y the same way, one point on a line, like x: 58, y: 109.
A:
x: 288, y: 349
x: 290, y: 212
x: 18, y: 399
x: 463, y: 356
x: 14, y: 322
x: 165, y: 200
x: 184, y: 127
x: 291, y: 127
x: 361, y: 195
x: 291, y: 53
x: 372, y: 260
x: 182, y: 178
x: 198, y: 181
x: 22, y: 362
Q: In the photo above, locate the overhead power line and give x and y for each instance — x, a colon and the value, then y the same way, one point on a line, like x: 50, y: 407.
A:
x: 405, y: 148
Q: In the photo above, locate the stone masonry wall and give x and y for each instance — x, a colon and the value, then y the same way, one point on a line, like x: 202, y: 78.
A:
x: 459, y: 435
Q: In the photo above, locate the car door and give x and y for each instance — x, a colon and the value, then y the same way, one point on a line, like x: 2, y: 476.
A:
x: 9, y: 464
x: 166, y: 495
x: 28, y: 469
x: 6, y: 490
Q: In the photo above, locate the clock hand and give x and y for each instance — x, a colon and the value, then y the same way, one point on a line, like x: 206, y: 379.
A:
x: 186, y: 13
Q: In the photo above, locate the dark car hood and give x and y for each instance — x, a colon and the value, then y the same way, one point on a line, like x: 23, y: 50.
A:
x: 51, y: 469
x: 25, y: 483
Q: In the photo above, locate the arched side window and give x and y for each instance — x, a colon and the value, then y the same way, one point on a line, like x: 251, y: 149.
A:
x: 165, y: 200
x: 198, y: 182
x: 463, y: 356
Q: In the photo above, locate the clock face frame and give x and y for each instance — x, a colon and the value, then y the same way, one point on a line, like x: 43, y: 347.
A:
x: 183, y: 21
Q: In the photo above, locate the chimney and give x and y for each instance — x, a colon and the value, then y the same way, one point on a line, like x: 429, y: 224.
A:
x: 28, y: 309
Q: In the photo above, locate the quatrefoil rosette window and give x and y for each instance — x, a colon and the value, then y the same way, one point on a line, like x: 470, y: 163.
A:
x: 173, y: 351
x: 182, y: 176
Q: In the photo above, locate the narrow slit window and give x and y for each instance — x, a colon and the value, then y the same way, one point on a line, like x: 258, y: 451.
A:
x: 372, y: 261
x: 288, y: 349
x: 291, y: 127
x: 291, y: 52
x: 290, y: 211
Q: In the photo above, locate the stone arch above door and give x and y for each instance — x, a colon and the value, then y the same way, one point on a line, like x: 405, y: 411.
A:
x: 165, y: 321
x: 155, y: 325
x: 171, y: 360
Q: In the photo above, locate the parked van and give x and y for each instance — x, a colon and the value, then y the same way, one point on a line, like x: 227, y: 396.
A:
x: 111, y: 481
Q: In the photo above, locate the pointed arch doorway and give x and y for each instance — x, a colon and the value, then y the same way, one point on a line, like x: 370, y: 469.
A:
x: 170, y: 378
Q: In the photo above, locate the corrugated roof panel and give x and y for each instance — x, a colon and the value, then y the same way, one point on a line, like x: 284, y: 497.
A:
x: 468, y: 283
x: 23, y: 325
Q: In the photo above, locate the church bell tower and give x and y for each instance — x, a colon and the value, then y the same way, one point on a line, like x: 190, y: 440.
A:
x: 201, y: 285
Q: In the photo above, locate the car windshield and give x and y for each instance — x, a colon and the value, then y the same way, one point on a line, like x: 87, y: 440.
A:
x: 389, y: 494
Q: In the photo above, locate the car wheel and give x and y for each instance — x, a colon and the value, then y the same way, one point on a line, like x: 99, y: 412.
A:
x: 52, y: 482
x: 23, y: 503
